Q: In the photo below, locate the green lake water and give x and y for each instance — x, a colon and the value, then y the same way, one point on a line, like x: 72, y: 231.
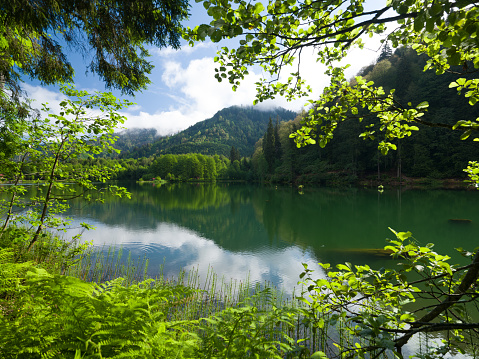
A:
x: 266, y: 232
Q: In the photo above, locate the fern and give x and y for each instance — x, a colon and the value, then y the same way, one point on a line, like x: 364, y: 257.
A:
x: 64, y: 316
x: 10, y: 272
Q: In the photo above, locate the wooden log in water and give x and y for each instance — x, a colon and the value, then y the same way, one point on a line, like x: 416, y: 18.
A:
x: 374, y: 252
x: 459, y: 220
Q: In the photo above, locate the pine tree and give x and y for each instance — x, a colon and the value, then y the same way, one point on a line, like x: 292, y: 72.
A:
x: 234, y: 154
x: 278, y: 151
x: 386, y: 52
x: 114, y: 35
x: 269, y: 146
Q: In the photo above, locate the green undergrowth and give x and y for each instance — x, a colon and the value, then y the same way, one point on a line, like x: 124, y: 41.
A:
x: 64, y: 300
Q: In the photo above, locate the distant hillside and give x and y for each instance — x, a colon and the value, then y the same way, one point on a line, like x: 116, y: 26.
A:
x: 236, y: 126
x: 131, y: 139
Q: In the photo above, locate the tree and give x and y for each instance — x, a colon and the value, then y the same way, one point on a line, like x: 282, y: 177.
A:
x: 278, y: 152
x: 386, y: 52
x: 234, y: 154
x: 269, y: 146
x: 210, y: 168
x: 371, y: 303
x: 112, y: 33
x: 275, y: 37
x: 45, y: 151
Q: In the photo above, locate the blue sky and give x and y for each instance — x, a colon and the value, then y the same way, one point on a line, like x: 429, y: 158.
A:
x: 184, y: 90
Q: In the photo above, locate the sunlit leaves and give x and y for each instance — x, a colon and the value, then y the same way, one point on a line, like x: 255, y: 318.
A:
x: 472, y: 171
x: 274, y: 37
x: 374, y: 304
x: 83, y: 128
x: 64, y: 316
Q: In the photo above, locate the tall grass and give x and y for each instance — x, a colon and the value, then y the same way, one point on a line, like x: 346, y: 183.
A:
x: 104, y: 264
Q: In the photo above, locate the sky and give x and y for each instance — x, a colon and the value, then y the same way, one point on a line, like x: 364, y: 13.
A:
x: 184, y: 90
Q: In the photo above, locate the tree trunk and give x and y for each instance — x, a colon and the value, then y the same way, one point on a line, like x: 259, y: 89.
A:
x: 47, y: 197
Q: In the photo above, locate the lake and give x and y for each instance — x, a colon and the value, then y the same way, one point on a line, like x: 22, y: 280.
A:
x: 265, y: 233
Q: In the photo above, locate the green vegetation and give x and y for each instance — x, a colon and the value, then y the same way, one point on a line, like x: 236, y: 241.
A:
x: 43, y: 152
x: 45, y: 313
x: 347, y: 158
x: 428, y: 155
x: 192, y: 166
x: 47, y: 309
x: 356, y: 311
x: 132, y: 140
x: 232, y: 126
x: 273, y: 35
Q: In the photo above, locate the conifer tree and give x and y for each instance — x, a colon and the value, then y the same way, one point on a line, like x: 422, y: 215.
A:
x: 112, y: 33
x: 278, y: 151
x: 234, y: 154
x: 269, y: 146
x: 386, y: 52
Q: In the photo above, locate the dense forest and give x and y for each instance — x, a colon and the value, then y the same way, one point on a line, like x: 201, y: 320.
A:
x: 184, y: 167
x: 432, y: 152
x: 229, y: 146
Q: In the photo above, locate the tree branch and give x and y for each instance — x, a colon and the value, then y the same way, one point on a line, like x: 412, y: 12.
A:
x: 468, y: 280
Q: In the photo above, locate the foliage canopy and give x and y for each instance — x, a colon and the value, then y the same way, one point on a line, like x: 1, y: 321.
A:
x: 276, y: 36
x: 112, y: 33
x: 43, y: 153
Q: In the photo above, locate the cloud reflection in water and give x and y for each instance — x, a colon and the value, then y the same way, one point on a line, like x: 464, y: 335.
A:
x: 180, y: 248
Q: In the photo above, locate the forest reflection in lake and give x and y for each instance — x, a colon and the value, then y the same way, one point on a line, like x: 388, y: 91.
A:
x: 266, y: 232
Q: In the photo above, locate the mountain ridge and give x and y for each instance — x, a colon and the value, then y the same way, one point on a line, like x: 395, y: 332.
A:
x: 238, y: 126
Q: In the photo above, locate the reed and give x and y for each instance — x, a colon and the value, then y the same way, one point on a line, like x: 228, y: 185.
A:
x: 107, y: 263
x: 213, y: 296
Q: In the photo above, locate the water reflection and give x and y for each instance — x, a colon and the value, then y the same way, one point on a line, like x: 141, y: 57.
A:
x: 267, y: 231
x: 174, y: 248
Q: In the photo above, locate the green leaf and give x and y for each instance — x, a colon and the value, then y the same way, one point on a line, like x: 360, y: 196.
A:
x: 465, y: 135
x: 418, y: 23
x: 423, y: 105
x: 404, y: 235
x: 217, y: 35
x: 343, y: 267
x: 319, y: 355
x: 258, y: 7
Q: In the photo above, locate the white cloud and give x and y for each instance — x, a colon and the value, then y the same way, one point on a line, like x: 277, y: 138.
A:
x: 206, y: 94
x: 200, y: 93
x: 41, y: 95
x: 358, y: 58
x: 167, y: 122
x: 52, y: 100
x: 190, y: 93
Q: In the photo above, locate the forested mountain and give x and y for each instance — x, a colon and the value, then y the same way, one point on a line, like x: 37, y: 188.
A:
x: 136, y: 137
x: 432, y: 152
x: 233, y: 126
